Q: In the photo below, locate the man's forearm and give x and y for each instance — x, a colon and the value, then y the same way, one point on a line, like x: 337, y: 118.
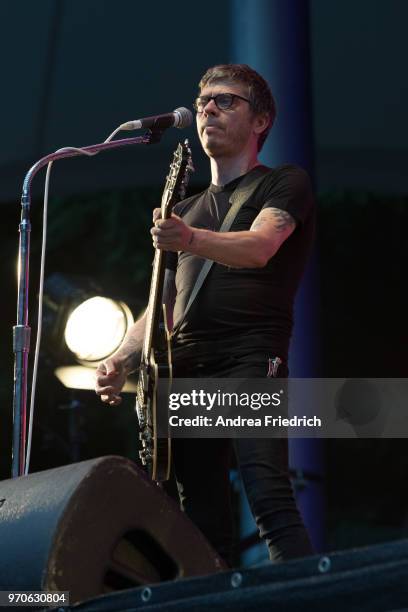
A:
x: 130, y: 351
x: 247, y: 249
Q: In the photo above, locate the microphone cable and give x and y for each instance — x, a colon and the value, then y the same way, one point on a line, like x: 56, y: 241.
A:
x: 41, y: 292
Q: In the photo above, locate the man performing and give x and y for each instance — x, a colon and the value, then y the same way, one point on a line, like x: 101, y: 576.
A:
x: 241, y: 320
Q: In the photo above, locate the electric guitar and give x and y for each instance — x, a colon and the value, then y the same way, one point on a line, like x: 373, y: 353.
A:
x: 155, y: 373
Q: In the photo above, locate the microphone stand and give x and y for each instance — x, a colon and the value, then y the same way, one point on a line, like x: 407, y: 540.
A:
x: 21, y: 331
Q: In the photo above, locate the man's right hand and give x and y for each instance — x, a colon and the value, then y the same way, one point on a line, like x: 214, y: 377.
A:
x: 111, y: 376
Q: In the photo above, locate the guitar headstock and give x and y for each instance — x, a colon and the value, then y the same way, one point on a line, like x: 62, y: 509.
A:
x: 178, y: 177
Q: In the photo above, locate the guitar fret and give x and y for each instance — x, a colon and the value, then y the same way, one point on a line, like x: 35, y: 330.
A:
x: 155, y: 453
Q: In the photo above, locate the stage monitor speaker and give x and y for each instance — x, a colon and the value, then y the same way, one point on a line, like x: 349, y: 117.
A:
x: 95, y: 527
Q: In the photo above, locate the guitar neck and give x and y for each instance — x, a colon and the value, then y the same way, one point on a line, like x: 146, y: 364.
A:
x: 174, y: 189
x: 155, y: 303
x: 154, y: 308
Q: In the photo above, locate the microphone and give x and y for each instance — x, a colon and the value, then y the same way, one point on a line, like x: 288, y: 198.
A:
x: 179, y: 118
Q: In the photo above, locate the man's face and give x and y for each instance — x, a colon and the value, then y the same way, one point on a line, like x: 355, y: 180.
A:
x: 226, y: 133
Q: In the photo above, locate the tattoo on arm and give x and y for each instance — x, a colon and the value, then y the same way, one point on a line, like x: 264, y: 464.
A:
x: 281, y: 219
x: 131, y: 349
x: 134, y: 360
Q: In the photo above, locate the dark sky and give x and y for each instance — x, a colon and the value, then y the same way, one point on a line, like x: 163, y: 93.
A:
x: 72, y: 71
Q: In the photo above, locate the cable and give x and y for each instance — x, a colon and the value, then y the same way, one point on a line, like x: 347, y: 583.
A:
x: 39, y: 322
x: 41, y: 294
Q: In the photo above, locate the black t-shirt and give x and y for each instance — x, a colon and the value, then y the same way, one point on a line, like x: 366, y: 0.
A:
x: 250, y: 307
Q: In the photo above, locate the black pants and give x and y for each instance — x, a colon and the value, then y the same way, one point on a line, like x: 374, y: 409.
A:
x: 202, y: 473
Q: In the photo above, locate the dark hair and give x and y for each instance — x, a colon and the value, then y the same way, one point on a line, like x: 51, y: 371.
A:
x: 259, y: 93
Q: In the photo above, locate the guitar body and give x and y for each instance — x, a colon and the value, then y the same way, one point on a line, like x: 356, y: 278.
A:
x: 155, y: 373
x: 154, y: 386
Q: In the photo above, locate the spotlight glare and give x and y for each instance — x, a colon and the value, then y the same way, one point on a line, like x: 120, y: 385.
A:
x: 96, y: 328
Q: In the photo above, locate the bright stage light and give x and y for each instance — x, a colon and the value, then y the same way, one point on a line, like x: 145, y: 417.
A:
x: 96, y: 328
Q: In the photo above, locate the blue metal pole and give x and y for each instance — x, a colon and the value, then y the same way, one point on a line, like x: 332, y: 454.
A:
x: 272, y: 36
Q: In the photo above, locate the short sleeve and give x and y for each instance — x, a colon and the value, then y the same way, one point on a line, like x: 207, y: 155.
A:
x: 290, y: 189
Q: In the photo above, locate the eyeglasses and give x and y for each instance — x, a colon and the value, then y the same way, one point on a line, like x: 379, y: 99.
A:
x: 223, y: 101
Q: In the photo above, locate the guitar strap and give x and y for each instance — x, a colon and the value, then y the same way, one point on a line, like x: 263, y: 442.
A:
x: 239, y: 196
